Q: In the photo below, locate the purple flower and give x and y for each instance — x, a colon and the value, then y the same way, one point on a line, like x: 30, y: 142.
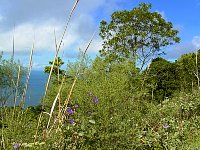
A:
x: 16, y: 146
x: 75, y: 105
x: 71, y: 121
x: 165, y: 126
x: 96, y: 100
x: 70, y: 111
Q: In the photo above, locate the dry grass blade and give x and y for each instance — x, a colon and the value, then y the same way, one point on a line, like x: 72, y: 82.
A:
x: 58, y: 48
x: 17, y: 84
x: 52, y: 108
x: 13, y: 51
x: 28, y: 77
x: 53, y: 105
x: 56, y: 55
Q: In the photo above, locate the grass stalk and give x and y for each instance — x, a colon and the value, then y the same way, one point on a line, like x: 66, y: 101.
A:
x: 52, y: 108
x: 58, y: 48
x: 53, y: 105
x: 16, y: 92
x: 13, y: 44
x: 28, y: 77
x: 56, y: 55
x: 76, y: 77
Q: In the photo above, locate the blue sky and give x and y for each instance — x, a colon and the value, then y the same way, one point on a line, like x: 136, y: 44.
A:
x: 28, y: 18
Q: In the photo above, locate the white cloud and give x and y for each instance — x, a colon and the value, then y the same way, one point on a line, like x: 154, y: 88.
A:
x: 78, y: 32
x: 24, y: 37
x: 39, y: 19
x: 196, y: 41
x: 81, y: 28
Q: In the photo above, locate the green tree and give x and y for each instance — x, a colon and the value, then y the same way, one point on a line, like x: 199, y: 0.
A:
x: 136, y: 35
x: 56, y: 68
x: 162, y: 80
x: 188, y: 71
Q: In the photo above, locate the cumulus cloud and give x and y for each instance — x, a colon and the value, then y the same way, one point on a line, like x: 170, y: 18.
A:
x: 43, y: 35
x: 36, y: 21
x: 37, y: 11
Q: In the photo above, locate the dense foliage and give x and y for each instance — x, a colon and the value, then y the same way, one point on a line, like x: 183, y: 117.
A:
x: 115, y: 108
x: 162, y: 79
x: 112, y: 107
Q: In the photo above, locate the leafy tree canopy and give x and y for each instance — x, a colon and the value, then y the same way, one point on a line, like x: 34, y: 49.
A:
x: 162, y: 79
x: 136, y: 35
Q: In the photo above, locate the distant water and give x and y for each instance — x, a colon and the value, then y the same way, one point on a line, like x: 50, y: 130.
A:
x: 36, y: 88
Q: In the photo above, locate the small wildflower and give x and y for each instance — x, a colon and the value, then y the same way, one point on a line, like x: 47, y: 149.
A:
x: 75, y: 105
x: 165, y: 126
x: 16, y: 146
x: 96, y: 100
x: 71, y: 121
x: 70, y: 111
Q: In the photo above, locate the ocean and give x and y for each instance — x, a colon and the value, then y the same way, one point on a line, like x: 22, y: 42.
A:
x: 36, y: 88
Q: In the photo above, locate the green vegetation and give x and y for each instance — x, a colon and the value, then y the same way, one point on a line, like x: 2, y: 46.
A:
x: 136, y: 35
x: 57, y: 66
x: 11, y: 86
x: 109, y: 103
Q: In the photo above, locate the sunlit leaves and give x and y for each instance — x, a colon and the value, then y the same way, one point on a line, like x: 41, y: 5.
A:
x: 136, y: 35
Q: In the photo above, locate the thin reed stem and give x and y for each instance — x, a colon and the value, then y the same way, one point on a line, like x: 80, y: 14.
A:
x: 56, y: 55
x: 16, y: 92
x: 28, y: 77
x: 58, y: 48
x: 76, y: 77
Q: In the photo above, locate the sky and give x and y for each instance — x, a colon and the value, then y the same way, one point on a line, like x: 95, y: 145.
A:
x: 36, y: 20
